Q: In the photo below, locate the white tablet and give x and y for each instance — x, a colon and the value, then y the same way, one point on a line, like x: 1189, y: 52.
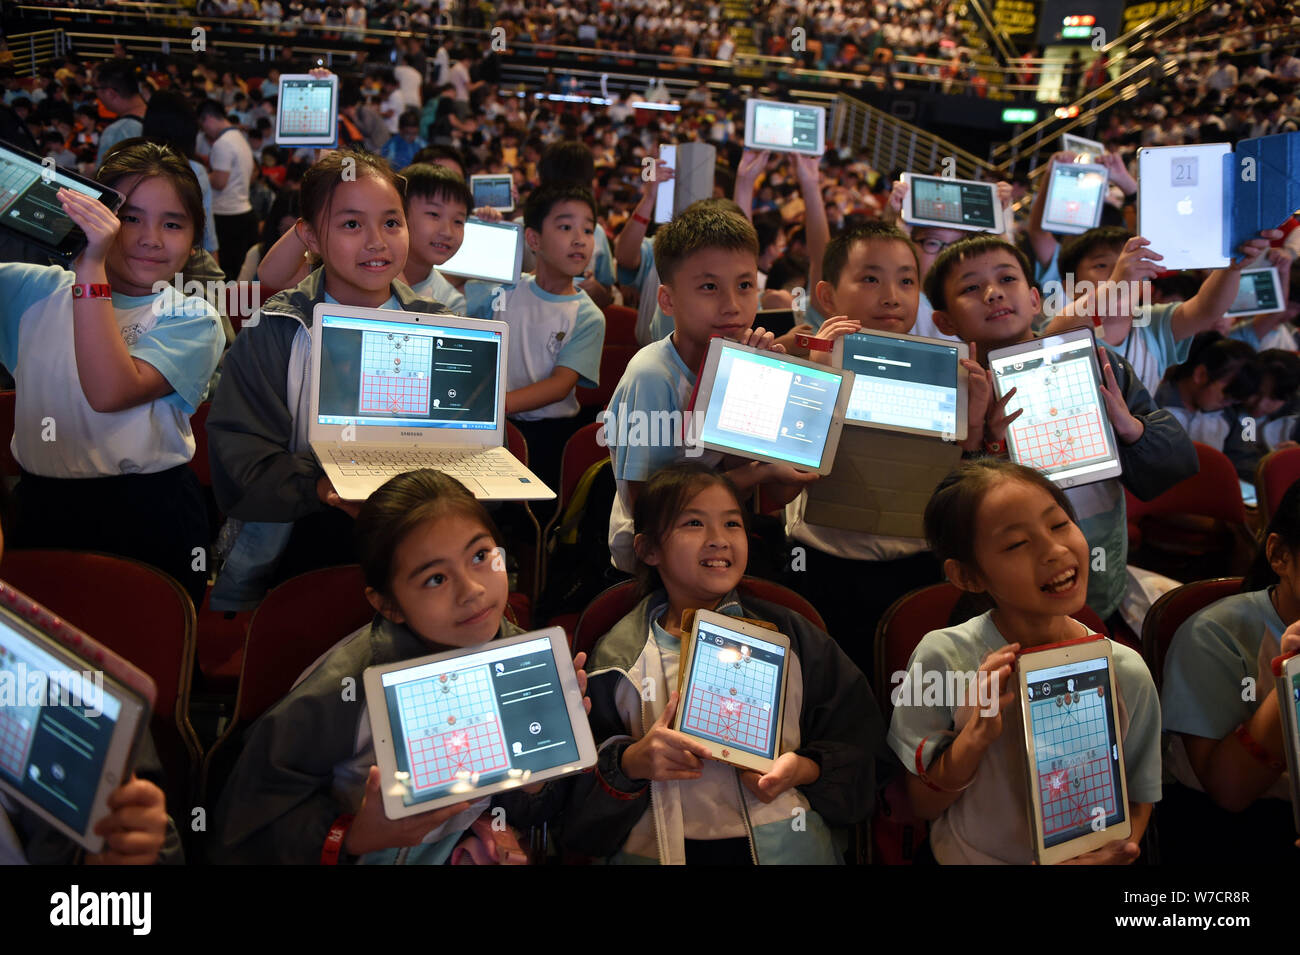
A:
x: 1085, y: 150
x: 952, y: 203
x: 491, y: 251
x: 464, y: 724
x: 905, y: 383
x: 307, y: 110
x: 1076, y: 193
x: 495, y: 190
x: 1180, y: 204
x: 70, y: 714
x: 785, y: 127
x: 1064, y: 430
x: 731, y: 681
x: 769, y: 407
x: 1078, y: 793
x: 666, y: 193
x: 1286, y: 671
x: 1260, y: 293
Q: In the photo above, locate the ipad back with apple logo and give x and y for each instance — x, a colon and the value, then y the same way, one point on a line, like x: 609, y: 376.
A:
x: 1181, y: 204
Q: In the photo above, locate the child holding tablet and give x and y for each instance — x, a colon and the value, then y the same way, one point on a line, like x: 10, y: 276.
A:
x: 110, y: 361
x: 981, y: 292
x: 263, y: 472
x: 1008, y: 534
x: 1221, y: 718
x: 654, y: 797
x: 306, y: 787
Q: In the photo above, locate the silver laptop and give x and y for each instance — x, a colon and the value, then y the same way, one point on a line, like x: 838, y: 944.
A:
x: 906, y: 416
x: 393, y: 391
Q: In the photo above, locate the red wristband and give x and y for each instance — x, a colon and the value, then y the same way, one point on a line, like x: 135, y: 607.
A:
x: 920, y: 772
x: 99, y: 290
x: 329, y: 854
x: 995, y: 447
x: 1252, y: 746
x: 641, y: 219
x: 813, y: 343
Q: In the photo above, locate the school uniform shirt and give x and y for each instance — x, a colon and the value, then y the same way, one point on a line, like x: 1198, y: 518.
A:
x: 438, y: 289
x: 989, y: 822
x: 1151, y: 349
x: 1212, y: 655
x: 651, y: 322
x: 1045, y: 276
x: 1207, y: 427
x: 546, y: 330
x: 210, y: 243
x: 57, y: 433
x: 656, y: 385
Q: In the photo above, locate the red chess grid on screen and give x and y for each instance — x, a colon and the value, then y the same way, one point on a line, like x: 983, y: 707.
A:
x: 394, y: 394
x: 1077, y: 439
x: 724, y: 717
x: 437, y: 760
x: 1066, y: 806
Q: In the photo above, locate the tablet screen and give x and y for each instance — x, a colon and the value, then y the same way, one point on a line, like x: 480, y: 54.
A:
x: 56, y: 726
x: 1077, y: 192
x: 1076, y: 750
x: 29, y: 203
x: 906, y: 384
x: 306, y: 109
x: 1063, y: 430
x: 491, y: 251
x: 763, y: 404
x: 470, y: 721
x: 966, y: 204
x: 786, y: 127
x: 1257, y: 294
x: 492, y: 191
x: 731, y: 694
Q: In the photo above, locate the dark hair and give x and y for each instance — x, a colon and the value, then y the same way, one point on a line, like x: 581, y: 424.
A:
x: 400, y: 506
x: 170, y: 120
x: 121, y: 76
x: 950, y: 514
x: 285, y: 204
x: 1281, y: 369
x: 1285, y: 523
x: 323, y: 177
x: 767, y: 225
x: 145, y: 159
x: 567, y: 161
x: 959, y: 252
x: 1105, y: 238
x: 1222, y: 358
x: 210, y: 107
x: 436, y: 151
x: 841, y: 247
x: 427, y: 181
x: 660, y: 502
x: 549, y: 195
x: 707, y: 224
x: 409, y: 118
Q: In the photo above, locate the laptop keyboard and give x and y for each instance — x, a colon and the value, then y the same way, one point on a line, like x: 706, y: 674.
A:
x: 360, y: 461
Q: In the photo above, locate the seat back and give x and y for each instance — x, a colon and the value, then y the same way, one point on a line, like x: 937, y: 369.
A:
x: 1213, y: 491
x: 8, y: 464
x: 620, y: 325
x: 141, y: 614
x: 614, y: 360
x: 1276, y: 472
x: 516, y: 443
x: 581, y: 451
x: 1172, y: 610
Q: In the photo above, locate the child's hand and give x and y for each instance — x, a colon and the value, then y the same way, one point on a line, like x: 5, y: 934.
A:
x: 1291, y: 639
x: 997, y: 421
x: 663, y: 753
x: 771, y: 473
x: 752, y: 162
x: 897, y: 195
x: 663, y: 173
x: 1136, y: 262
x: 488, y: 213
x: 979, y: 392
x: 136, y: 829
x: 993, y: 683
x: 371, y: 830
x: 93, y: 218
x: 1254, y: 248
x: 789, y: 770
x: 1127, y: 428
x: 1004, y: 194
x: 325, y: 491
x: 578, y: 663
x: 1119, y: 852
x: 807, y: 169
x: 1119, y: 173
x: 761, y: 339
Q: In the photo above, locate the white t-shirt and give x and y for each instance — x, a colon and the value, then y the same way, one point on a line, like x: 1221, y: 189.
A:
x: 458, y: 77
x: 438, y: 289
x: 231, y: 153
x: 408, y: 81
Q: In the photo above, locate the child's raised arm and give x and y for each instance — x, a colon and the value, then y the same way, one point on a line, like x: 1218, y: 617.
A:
x: 1216, y: 294
x: 284, y: 264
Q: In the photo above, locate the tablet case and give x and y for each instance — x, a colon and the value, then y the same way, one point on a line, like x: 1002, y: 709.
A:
x: 693, y: 179
x: 1263, y: 193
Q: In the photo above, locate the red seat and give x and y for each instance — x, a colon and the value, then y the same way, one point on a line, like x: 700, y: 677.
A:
x: 1170, y: 612
x: 614, y: 359
x: 1276, y: 472
x: 517, y: 445
x: 139, y: 613
x: 620, y: 325
x: 8, y: 464
x: 581, y: 451
x: 1213, y: 492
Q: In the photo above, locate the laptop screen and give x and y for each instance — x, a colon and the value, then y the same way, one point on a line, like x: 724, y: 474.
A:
x: 905, y: 384
x: 395, y: 374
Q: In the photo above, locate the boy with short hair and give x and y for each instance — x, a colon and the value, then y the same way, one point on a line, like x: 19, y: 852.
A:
x: 707, y: 260
x: 437, y: 204
x: 981, y: 293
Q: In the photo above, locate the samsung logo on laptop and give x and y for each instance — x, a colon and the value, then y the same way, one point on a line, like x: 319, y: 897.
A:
x: 411, y: 434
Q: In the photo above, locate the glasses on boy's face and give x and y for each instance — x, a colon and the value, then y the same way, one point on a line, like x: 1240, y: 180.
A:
x: 932, y: 246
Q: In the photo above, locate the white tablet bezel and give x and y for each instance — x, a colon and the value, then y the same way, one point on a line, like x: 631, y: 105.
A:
x: 1278, y: 292
x: 720, y: 751
x: 322, y: 140
x: 1068, y: 228
x: 381, y: 727
x: 1041, y: 660
x: 752, y: 104
x: 1152, y: 221
x: 132, y: 723
x: 1290, y: 676
x: 1100, y: 471
x: 490, y: 178
x: 909, y: 215
x: 448, y: 268
x: 963, y: 384
x: 1082, y: 146
x: 666, y: 192
x: 708, y: 374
